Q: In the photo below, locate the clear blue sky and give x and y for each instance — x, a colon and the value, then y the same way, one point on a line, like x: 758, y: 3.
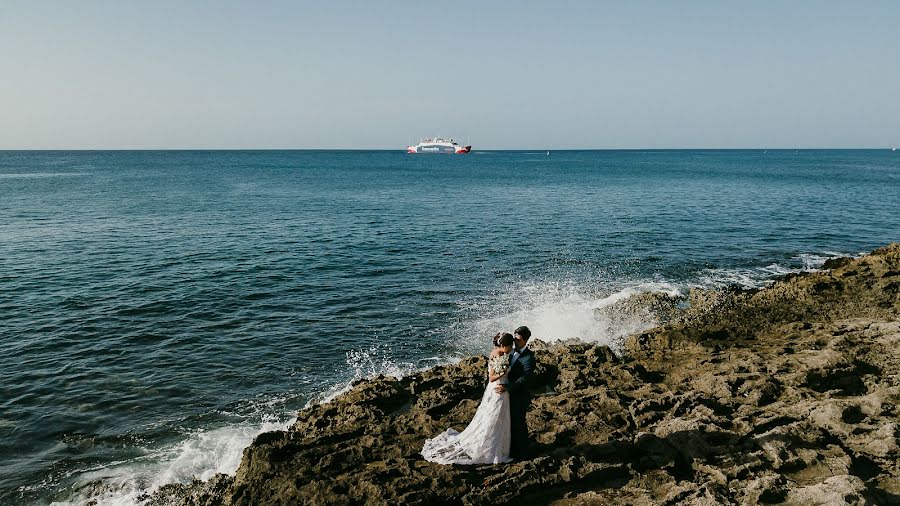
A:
x: 340, y: 74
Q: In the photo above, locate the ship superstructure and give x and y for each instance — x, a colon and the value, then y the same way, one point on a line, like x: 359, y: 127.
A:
x: 438, y: 145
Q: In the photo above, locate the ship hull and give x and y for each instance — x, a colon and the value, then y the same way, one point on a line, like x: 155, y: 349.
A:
x: 439, y: 149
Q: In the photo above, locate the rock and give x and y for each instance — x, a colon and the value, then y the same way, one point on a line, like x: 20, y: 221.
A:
x: 834, y: 491
x: 639, y: 311
x: 835, y: 263
x: 787, y: 394
x: 768, y: 489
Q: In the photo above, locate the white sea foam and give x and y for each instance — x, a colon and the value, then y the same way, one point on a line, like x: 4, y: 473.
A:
x: 559, y: 311
x: 556, y: 312
x: 375, y: 361
x: 202, y: 455
x: 762, y: 276
x: 206, y: 453
x: 743, y: 277
x: 815, y: 261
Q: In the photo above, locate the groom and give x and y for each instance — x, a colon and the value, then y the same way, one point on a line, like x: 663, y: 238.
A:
x: 521, y: 365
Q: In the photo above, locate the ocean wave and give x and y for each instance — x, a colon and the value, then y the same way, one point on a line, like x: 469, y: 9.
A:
x: 207, y: 452
x: 814, y: 261
x: 758, y: 277
x: 31, y: 175
x: 372, y: 361
x: 202, y: 455
x: 560, y: 311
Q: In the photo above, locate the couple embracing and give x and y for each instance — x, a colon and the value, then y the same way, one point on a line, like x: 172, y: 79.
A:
x: 498, y: 432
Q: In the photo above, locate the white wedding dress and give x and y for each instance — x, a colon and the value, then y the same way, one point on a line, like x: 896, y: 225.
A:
x: 486, y: 440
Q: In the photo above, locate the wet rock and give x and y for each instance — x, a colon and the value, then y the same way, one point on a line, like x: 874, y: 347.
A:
x: 632, y: 314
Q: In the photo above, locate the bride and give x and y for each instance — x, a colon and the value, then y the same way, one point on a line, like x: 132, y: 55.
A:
x: 487, y: 438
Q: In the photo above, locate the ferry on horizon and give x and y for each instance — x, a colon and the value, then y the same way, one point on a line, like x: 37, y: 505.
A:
x: 438, y: 145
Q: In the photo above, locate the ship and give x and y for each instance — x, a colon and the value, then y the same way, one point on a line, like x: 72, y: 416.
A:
x: 438, y: 145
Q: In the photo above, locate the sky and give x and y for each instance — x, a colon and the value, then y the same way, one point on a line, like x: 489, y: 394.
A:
x: 500, y: 74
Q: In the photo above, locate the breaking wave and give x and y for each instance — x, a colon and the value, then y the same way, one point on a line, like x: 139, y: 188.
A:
x: 376, y: 360
x: 556, y: 312
x: 203, y: 454
x: 758, y: 277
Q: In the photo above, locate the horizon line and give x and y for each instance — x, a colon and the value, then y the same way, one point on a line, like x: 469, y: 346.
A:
x: 403, y: 150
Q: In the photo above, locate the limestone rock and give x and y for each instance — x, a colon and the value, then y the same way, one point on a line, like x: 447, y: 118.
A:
x: 784, y: 395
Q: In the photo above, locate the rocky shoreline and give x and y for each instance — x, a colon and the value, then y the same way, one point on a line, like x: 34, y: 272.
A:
x: 784, y: 395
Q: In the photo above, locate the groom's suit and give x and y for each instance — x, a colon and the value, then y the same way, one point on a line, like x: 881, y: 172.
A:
x: 519, y: 400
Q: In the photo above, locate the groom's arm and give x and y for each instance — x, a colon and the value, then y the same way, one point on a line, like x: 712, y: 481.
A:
x: 527, y: 366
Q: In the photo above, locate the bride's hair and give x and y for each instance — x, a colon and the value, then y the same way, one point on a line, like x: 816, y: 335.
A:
x: 503, y: 339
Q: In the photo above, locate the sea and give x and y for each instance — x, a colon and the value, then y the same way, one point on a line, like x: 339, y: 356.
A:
x: 159, y: 309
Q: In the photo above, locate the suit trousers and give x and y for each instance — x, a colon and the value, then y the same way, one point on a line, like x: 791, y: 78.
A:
x: 518, y: 408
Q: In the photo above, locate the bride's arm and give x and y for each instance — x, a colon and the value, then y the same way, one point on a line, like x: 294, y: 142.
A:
x: 492, y: 377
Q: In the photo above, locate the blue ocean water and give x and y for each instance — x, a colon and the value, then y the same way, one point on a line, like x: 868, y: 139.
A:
x: 158, y: 309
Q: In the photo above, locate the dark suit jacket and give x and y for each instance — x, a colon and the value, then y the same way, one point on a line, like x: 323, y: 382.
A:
x: 520, y: 372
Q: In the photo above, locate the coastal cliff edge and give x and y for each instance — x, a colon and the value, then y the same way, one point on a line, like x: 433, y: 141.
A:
x: 788, y: 394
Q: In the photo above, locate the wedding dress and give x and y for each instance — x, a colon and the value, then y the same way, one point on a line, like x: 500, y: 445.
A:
x: 485, y: 440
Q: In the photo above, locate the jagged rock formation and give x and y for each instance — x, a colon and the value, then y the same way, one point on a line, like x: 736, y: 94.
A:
x: 785, y: 395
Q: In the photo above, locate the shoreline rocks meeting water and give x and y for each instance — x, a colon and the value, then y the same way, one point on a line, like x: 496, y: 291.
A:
x: 788, y: 394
